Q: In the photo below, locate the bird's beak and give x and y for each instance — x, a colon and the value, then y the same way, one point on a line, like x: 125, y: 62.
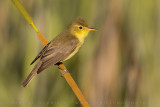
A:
x: 91, y: 29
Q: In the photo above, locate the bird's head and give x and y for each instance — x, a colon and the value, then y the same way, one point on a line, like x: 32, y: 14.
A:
x: 79, y: 28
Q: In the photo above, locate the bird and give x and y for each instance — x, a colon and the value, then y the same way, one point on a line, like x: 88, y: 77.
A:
x: 61, y: 48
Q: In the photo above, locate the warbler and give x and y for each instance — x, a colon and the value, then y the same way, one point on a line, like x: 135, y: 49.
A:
x: 61, y: 48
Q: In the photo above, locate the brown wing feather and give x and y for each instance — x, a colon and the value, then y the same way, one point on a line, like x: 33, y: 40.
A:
x: 57, y: 53
x: 40, y: 54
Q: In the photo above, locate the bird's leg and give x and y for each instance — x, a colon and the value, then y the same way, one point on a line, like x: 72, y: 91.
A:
x: 65, y: 71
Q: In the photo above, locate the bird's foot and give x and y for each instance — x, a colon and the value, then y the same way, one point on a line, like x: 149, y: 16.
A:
x: 65, y: 71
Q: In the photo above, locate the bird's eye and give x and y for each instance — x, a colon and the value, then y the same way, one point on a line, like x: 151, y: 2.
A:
x: 80, y: 27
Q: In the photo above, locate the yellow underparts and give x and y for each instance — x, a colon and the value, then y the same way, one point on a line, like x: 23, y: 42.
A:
x: 74, y: 52
x: 80, y: 34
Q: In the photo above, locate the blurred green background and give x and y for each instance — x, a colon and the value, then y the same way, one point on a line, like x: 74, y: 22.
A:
x: 118, y: 66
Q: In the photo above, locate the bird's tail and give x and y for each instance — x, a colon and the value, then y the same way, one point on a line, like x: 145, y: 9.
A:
x: 32, y: 74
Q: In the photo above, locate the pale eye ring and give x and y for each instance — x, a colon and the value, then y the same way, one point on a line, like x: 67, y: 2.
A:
x: 80, y: 27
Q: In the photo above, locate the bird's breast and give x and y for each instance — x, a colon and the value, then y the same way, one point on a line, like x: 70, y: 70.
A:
x: 74, y: 52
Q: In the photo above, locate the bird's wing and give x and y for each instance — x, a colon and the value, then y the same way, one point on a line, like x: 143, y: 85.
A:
x: 57, y: 53
x: 40, y: 53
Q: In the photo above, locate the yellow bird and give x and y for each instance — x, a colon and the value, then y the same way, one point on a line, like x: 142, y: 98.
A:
x: 61, y: 48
